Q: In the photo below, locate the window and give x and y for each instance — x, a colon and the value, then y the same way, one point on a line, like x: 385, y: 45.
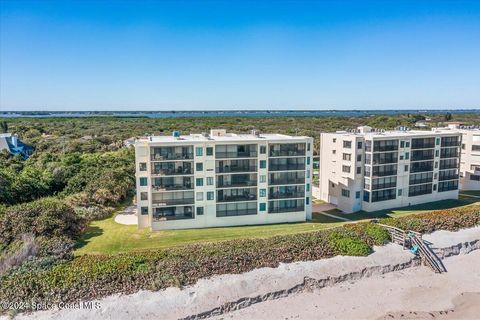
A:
x: 475, y: 177
x: 436, y: 164
x: 307, y: 200
x: 143, y: 166
x: 359, y: 145
x: 199, y: 182
x: 347, y: 144
x: 407, y: 155
x: 308, y: 160
x: 383, y: 195
x: 347, y: 157
x: 407, y: 144
x: 463, y: 146
x: 359, y: 157
x: 346, y: 193
x: 263, y: 164
x: 334, y: 151
x: 308, y: 187
x: 334, y: 140
x: 199, y: 166
x: 263, y: 206
x: 210, y: 195
x: 405, y: 168
x: 199, y: 151
x: 402, y: 144
x: 209, y: 153
x: 199, y: 211
x: 475, y: 147
x: 437, y: 153
x: 263, y: 149
x: 400, y: 192
x: 366, y: 196
x: 308, y: 173
x: 434, y: 187
x: 263, y: 192
x: 143, y: 195
x: 144, y: 211
x: 143, y: 181
x: 357, y: 195
x: 308, y: 146
x: 359, y: 170
x: 199, y: 196
x: 346, y: 169
x: 437, y: 141
x: 209, y: 181
x: 401, y: 157
x: 263, y: 178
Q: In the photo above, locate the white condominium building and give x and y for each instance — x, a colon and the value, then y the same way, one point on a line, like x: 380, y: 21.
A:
x: 370, y: 170
x: 470, y: 157
x: 222, y: 179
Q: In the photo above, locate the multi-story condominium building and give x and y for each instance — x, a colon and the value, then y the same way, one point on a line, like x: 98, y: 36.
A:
x: 222, y: 179
x: 368, y: 169
x: 470, y: 154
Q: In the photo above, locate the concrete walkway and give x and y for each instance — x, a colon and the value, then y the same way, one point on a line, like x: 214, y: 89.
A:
x: 128, y: 216
x: 322, y: 207
x: 333, y: 216
x: 469, y: 195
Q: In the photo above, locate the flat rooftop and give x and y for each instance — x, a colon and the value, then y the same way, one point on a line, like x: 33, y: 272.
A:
x: 222, y: 136
x: 368, y: 132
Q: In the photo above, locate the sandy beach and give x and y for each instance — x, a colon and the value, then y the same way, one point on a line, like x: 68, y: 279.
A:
x: 388, y: 284
x: 415, y: 293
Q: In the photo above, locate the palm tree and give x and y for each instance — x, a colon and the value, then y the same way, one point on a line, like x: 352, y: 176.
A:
x: 4, y: 126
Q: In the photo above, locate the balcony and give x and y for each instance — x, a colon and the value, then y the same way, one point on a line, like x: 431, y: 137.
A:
x: 233, y: 169
x: 423, y: 143
x: 228, y: 198
x: 236, y: 212
x: 173, y: 213
x: 172, y: 187
x: 173, y: 202
x: 171, y: 156
x: 287, y: 150
x: 236, y: 184
x: 173, y: 171
x: 286, y: 181
x: 286, y: 195
x: 286, y: 167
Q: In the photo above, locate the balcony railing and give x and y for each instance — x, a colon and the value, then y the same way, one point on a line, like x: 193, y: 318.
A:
x: 250, y: 197
x: 170, y: 172
x: 238, y: 212
x: 285, y: 167
x: 287, y: 153
x: 289, y: 209
x: 229, y: 169
x: 384, y: 185
x: 169, y: 187
x: 286, y: 195
x: 228, y: 184
x: 287, y: 181
x: 448, y: 177
x: 222, y: 155
x: 171, y: 156
x: 172, y: 202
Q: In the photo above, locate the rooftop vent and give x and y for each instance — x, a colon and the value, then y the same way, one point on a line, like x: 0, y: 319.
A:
x: 255, y: 133
x: 176, y: 134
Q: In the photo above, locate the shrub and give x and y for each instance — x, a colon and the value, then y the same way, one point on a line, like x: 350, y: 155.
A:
x: 448, y: 219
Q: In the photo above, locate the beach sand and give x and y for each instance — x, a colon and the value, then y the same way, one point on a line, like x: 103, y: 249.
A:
x: 414, y: 293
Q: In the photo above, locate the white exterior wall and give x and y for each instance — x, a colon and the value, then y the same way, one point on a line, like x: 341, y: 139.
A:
x: 333, y: 179
x: 209, y: 217
x: 470, y: 160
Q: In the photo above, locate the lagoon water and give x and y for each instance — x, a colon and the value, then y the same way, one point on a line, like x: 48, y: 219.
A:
x: 262, y: 113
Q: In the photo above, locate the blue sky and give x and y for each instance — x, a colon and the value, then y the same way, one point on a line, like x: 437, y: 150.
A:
x: 191, y: 55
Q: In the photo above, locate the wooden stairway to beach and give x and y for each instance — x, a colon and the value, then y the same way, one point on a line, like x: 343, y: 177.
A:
x: 409, y: 239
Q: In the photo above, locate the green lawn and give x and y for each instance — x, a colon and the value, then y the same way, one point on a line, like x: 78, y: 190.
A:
x: 107, y: 236
x: 405, y: 211
x: 471, y: 192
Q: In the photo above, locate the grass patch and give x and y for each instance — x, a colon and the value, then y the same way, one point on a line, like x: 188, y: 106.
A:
x: 108, y: 237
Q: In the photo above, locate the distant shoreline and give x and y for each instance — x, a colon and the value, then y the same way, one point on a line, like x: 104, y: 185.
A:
x: 225, y: 113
